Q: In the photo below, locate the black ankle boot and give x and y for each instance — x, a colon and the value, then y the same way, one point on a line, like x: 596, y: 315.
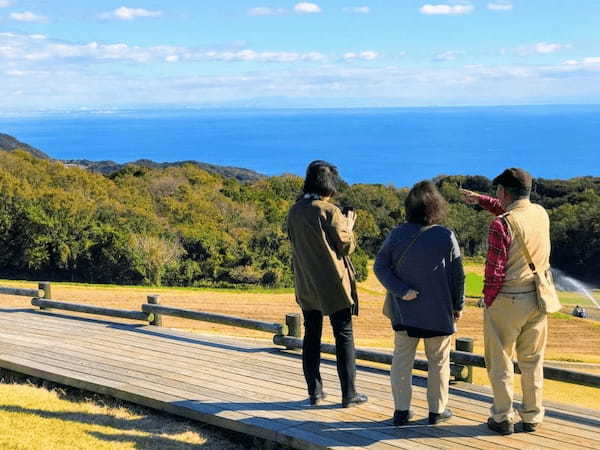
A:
x: 316, y: 399
x: 402, y: 417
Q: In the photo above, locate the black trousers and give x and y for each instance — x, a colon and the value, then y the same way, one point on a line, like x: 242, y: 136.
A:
x: 341, y: 322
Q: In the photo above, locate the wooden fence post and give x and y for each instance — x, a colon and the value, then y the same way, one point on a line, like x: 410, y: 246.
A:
x: 294, y: 326
x: 155, y: 300
x: 47, y: 288
x: 465, y: 345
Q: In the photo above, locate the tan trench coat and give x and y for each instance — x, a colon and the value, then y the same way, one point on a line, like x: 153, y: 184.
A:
x: 321, y: 241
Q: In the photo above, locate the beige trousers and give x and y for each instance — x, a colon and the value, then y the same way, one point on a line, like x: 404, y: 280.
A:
x: 437, y: 350
x: 514, y: 323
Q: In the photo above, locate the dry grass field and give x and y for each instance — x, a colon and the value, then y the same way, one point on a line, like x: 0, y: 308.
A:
x: 42, y: 419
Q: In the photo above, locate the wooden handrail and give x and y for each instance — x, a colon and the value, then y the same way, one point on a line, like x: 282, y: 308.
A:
x: 90, y: 309
x: 5, y: 290
x: 223, y: 319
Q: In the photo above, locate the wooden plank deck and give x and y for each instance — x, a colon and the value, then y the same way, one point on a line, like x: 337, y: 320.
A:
x: 254, y: 387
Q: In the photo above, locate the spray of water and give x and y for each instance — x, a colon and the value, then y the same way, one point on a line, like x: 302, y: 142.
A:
x: 564, y: 282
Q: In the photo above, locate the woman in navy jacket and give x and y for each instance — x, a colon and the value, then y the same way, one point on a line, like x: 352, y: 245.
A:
x: 420, y: 266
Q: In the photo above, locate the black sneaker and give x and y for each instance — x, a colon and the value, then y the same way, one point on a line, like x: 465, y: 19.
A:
x: 402, y: 417
x: 316, y: 399
x: 504, y: 428
x: 356, y: 399
x: 530, y: 427
x: 435, y: 418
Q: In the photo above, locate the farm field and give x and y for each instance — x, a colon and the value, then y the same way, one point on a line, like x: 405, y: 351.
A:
x: 570, y: 339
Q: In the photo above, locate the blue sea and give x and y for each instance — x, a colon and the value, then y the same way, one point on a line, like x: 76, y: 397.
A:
x: 388, y: 146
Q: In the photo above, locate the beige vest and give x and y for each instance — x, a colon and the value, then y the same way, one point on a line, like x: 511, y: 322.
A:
x: 533, y: 221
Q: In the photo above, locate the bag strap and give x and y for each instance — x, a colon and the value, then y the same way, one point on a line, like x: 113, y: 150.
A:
x: 519, y: 233
x: 410, y: 244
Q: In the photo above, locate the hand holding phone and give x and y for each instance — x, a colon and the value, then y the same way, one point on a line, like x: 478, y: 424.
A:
x: 349, y: 212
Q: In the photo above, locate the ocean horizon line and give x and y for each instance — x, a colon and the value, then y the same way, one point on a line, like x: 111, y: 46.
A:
x: 250, y: 108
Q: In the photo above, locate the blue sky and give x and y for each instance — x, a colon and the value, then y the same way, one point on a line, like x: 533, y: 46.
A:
x: 60, y: 54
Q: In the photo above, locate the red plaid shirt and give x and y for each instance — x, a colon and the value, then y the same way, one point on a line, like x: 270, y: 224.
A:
x: 498, y: 245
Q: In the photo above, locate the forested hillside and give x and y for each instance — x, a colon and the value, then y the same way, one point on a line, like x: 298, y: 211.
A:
x: 183, y: 226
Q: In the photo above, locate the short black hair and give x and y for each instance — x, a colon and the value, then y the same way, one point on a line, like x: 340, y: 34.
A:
x: 517, y: 182
x: 424, y: 204
x: 322, y: 179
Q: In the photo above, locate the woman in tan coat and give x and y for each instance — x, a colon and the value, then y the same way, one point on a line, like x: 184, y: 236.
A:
x: 322, y: 239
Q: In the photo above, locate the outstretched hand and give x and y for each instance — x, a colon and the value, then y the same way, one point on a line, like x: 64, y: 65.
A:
x: 470, y: 197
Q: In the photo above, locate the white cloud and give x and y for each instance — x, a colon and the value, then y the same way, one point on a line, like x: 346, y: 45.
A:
x: 53, y: 74
x: 545, y: 47
x: 450, y: 55
x: 541, y: 48
x: 125, y: 13
x: 499, y: 6
x: 5, y: 3
x: 357, y: 9
x: 589, y: 61
x: 252, y: 55
x: 330, y: 85
x: 39, y: 49
x: 367, y: 55
x: 307, y: 8
x: 266, y: 11
x: 432, y: 10
x: 25, y: 73
x: 27, y: 16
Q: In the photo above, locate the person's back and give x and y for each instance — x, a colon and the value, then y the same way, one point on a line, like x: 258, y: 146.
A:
x: 320, y: 239
x: 533, y: 221
x: 420, y: 266
x: 513, y: 319
x: 427, y: 268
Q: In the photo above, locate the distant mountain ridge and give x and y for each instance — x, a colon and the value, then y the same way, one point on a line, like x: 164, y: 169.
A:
x: 108, y: 167
x: 10, y: 144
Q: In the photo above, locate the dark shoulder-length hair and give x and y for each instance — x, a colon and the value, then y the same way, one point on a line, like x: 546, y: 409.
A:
x: 321, y: 179
x: 425, y: 205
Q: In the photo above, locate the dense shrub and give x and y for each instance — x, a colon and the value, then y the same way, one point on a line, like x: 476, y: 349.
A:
x: 182, y: 226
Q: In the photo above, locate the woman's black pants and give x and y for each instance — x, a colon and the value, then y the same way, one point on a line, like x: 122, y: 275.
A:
x: 341, y: 322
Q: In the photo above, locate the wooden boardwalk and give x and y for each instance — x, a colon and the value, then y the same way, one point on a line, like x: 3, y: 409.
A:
x: 254, y: 387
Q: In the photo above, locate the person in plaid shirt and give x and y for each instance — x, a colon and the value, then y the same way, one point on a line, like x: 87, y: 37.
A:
x: 513, y: 322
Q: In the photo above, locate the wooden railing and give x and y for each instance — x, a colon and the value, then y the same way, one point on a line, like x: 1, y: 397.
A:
x: 4, y: 290
x: 222, y: 319
x: 90, y: 309
x: 287, y: 335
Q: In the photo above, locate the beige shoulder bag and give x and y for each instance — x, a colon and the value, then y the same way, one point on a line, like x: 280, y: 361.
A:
x: 548, y: 301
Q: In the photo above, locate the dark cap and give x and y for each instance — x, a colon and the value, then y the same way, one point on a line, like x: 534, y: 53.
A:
x: 515, y: 179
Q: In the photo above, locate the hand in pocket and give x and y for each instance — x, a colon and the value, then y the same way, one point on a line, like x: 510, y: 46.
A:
x: 410, y: 295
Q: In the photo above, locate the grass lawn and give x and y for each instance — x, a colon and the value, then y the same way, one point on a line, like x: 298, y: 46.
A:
x: 41, y: 419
